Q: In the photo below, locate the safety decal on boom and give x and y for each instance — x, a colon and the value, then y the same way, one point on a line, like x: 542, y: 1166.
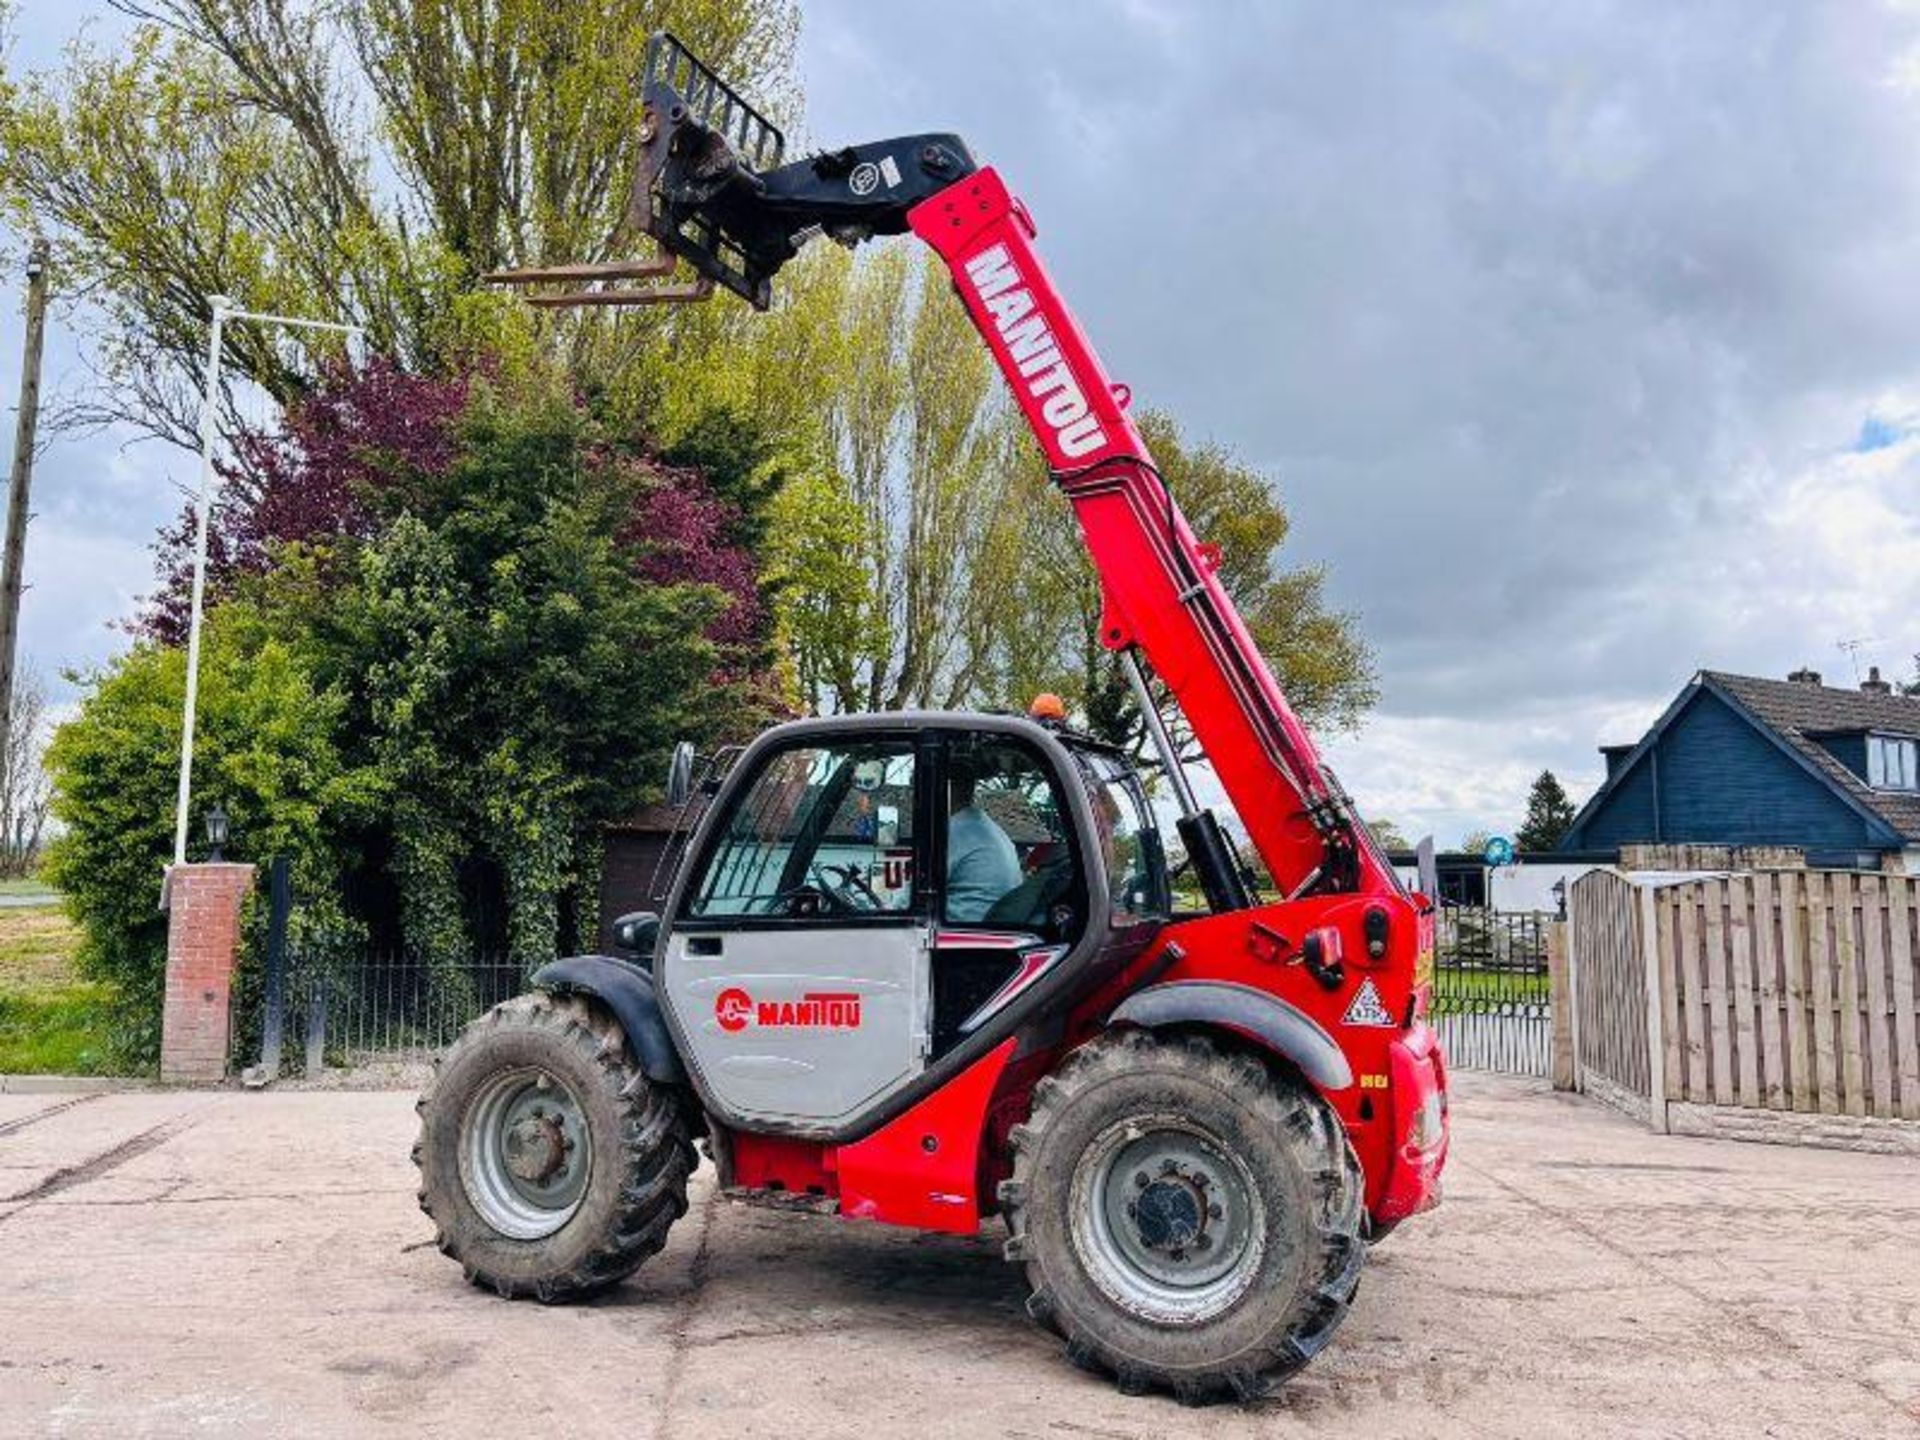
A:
x: 1366, y: 1008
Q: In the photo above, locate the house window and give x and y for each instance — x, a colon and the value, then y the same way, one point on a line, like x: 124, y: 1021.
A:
x: 1893, y: 763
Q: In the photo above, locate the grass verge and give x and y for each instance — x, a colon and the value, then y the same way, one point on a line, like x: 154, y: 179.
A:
x: 52, y: 1021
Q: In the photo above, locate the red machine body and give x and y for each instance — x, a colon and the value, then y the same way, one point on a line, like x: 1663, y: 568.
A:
x: 936, y: 1165
x: 876, y: 996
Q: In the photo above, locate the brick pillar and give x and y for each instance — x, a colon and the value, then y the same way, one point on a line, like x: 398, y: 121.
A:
x: 203, y: 943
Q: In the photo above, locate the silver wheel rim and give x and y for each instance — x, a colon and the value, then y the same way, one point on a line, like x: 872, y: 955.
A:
x: 525, y: 1153
x: 1167, y: 1221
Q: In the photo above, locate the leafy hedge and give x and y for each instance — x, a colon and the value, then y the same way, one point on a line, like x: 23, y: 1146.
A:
x: 455, y: 640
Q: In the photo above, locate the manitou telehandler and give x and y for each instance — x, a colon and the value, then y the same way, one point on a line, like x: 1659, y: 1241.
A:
x: 924, y: 968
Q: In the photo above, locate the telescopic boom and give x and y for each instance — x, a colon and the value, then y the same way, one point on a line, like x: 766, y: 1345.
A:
x: 715, y: 190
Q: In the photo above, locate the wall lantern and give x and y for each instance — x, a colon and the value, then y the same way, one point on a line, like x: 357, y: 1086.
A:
x: 218, y: 832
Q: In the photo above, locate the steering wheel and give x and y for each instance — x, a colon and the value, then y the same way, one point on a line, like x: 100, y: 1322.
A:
x: 847, y: 887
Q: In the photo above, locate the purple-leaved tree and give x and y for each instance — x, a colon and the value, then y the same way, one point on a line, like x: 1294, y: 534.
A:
x: 362, y: 434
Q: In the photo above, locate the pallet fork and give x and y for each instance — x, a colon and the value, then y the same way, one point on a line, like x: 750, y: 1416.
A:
x: 712, y: 189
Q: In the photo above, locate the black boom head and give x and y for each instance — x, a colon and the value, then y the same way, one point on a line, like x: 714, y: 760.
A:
x: 699, y: 181
x: 713, y: 188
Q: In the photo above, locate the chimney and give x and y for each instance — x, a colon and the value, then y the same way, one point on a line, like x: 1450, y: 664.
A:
x: 1804, y: 676
x: 1873, y: 684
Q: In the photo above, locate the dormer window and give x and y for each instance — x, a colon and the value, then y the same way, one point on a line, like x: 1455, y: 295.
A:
x: 1893, y: 763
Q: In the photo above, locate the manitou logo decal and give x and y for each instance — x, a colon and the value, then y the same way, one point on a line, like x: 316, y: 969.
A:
x: 734, y: 1010
x: 1023, y: 329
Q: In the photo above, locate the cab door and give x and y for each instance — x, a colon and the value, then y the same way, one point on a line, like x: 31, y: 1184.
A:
x: 796, y: 966
x: 1013, y: 901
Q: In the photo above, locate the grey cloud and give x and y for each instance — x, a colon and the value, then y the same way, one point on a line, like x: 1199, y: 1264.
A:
x: 1530, y: 311
x: 1552, y: 323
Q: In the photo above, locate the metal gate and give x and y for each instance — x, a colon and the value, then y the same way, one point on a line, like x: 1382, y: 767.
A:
x: 305, y: 1008
x: 1490, y: 989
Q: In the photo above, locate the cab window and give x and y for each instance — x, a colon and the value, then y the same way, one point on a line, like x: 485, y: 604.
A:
x: 825, y: 831
x: 1010, y: 861
x: 1128, y: 839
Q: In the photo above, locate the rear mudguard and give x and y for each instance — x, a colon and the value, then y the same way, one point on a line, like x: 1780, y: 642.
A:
x: 627, y: 991
x: 1288, y: 1032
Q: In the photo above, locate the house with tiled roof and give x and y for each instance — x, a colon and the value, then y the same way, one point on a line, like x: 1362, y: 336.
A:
x: 1737, y: 760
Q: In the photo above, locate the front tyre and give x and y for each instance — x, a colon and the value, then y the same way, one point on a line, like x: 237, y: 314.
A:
x: 1189, y: 1219
x: 549, y: 1163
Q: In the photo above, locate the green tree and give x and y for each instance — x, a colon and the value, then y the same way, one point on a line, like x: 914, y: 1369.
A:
x: 266, y: 750
x: 1549, y: 815
x: 979, y: 589
x: 1387, y: 833
x: 1049, y: 636
x: 366, y: 160
x: 474, y: 649
x: 830, y: 615
x: 512, y: 674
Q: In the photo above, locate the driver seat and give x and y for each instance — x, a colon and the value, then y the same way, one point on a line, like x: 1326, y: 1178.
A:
x: 1029, y: 904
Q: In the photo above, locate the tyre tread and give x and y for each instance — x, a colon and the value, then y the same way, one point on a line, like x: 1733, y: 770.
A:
x: 1299, y: 1116
x: 657, y: 1155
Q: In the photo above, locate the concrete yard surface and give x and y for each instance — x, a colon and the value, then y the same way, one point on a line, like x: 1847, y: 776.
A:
x: 206, y: 1264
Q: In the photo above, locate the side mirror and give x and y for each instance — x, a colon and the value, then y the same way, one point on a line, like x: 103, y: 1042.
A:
x: 680, y: 775
x: 636, y: 933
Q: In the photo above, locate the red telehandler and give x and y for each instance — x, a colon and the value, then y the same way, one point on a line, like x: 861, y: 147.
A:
x: 925, y: 967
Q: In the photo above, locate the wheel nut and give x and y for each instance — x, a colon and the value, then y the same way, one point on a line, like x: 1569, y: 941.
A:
x: 1131, y: 1208
x: 1214, y: 1212
x: 1169, y: 1167
x: 1202, y: 1180
x: 1140, y: 1179
x: 1203, y: 1242
x: 1179, y: 1254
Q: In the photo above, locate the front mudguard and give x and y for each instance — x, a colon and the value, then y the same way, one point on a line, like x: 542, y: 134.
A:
x: 1284, y: 1029
x: 628, y: 992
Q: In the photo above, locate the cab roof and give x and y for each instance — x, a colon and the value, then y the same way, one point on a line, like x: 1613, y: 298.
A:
x: 997, y: 722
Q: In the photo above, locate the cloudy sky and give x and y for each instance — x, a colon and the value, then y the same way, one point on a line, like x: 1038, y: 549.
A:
x: 1583, y: 342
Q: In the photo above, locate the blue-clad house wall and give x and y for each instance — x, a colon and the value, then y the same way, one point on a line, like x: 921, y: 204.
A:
x: 1625, y: 816
x: 1711, y: 777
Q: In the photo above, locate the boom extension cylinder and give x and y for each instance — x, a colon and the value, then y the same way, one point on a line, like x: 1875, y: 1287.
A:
x: 1209, y: 851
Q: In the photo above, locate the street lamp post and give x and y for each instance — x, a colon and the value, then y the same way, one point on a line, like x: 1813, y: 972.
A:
x: 223, y: 311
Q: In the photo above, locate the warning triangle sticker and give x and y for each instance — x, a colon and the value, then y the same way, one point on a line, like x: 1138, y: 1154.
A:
x: 1366, y: 1008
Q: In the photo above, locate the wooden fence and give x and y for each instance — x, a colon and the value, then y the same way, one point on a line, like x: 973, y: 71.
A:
x: 1610, y: 982
x: 1791, y: 991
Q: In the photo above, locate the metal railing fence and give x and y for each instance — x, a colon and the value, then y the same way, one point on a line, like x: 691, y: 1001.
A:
x: 1490, y: 989
x: 374, y: 1009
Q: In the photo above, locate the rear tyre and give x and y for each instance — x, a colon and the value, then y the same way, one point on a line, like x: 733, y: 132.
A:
x: 1190, y: 1220
x: 551, y: 1166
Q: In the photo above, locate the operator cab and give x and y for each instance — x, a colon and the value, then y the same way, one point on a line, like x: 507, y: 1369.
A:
x: 873, y: 901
